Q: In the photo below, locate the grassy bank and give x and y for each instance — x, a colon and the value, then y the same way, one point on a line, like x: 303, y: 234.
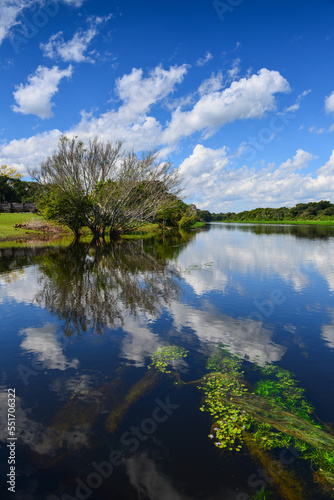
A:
x: 293, y: 222
x: 37, y: 228
x: 7, y: 221
x: 197, y: 224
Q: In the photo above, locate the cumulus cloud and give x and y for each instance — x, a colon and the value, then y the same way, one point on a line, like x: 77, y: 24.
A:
x: 246, y: 98
x: 35, y: 96
x: 132, y: 121
x: 329, y: 103
x: 212, y: 181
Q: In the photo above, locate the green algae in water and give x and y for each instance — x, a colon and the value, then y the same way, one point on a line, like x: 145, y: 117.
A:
x: 275, y: 415
x: 164, y: 357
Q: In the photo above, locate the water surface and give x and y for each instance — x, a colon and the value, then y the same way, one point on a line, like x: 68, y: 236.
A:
x: 79, y: 326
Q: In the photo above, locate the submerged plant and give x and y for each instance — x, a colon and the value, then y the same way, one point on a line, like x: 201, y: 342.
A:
x: 275, y: 415
x: 261, y: 495
x: 282, y: 389
x: 164, y: 357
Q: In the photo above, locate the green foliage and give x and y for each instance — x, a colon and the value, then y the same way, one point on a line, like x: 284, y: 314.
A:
x: 13, y: 190
x: 171, y: 215
x: 268, y: 438
x: 282, y: 389
x: 189, y: 218
x: 322, y: 210
x: 230, y: 420
x: 262, y: 495
x: 165, y: 355
x: 221, y: 360
x: 64, y: 208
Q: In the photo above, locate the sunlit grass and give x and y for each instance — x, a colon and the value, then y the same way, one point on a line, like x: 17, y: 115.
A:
x: 7, y: 221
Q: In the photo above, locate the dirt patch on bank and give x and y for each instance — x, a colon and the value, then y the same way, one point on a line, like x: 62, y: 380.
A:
x: 36, y: 230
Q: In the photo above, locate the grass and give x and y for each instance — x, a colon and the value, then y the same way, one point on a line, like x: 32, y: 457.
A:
x: 294, y: 222
x: 142, y: 232
x: 197, y: 224
x: 7, y: 221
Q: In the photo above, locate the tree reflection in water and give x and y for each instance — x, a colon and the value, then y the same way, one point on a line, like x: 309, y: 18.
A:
x: 94, y: 286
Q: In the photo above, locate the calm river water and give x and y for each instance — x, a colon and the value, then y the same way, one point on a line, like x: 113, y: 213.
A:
x: 79, y: 326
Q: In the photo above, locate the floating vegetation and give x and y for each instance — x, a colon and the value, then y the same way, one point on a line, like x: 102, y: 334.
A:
x: 275, y: 415
x: 164, y: 357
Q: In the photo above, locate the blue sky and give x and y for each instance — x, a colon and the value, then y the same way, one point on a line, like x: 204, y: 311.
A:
x: 237, y: 94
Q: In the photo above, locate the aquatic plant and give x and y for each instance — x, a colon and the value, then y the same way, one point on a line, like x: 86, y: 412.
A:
x: 282, y: 389
x: 164, y: 357
x: 261, y: 495
x: 275, y: 415
x: 230, y: 421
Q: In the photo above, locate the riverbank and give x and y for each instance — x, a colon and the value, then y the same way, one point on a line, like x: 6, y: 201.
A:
x: 20, y: 229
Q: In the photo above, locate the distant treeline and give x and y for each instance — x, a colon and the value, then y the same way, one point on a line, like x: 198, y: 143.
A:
x: 16, y: 191
x: 183, y: 215
x: 321, y: 210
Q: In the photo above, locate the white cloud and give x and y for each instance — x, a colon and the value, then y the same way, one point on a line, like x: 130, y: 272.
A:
x: 35, y: 97
x: 29, y: 152
x: 235, y: 70
x: 9, y: 12
x: 74, y: 49
x: 329, y: 103
x: 247, y: 98
x: 45, y: 345
x: 204, y: 60
x: 212, y: 84
x: 139, y: 93
x: 74, y: 3
x: 315, y: 130
x: 213, y: 183
x: 132, y: 121
x: 294, y: 107
x: 327, y: 331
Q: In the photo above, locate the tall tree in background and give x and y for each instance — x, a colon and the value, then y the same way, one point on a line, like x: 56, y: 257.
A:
x: 10, y: 172
x: 101, y: 186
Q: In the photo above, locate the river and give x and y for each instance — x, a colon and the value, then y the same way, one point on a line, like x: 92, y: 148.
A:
x: 102, y: 411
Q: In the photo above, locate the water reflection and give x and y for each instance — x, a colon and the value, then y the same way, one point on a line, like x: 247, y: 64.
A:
x: 97, y: 286
x: 280, y: 251
x: 44, y: 344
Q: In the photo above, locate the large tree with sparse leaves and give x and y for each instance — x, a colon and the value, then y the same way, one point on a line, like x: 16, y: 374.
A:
x: 101, y: 186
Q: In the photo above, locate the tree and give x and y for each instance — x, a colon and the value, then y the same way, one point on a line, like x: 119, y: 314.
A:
x: 189, y: 218
x: 104, y: 186
x: 13, y: 190
x: 10, y: 172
